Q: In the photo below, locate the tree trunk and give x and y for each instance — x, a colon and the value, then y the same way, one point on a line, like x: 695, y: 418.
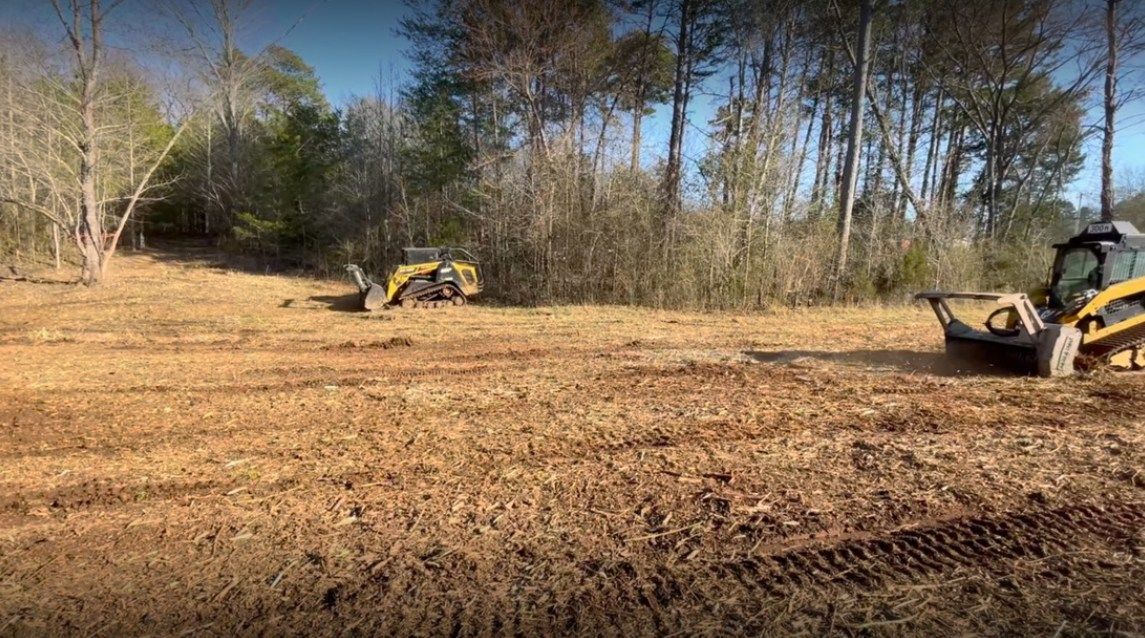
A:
x: 912, y: 133
x: 875, y: 174
x: 234, y: 134
x: 953, y: 170
x: 734, y: 142
x: 854, y: 140
x: 796, y: 178
x: 641, y: 92
x: 90, y: 235
x: 679, y: 113
x: 1110, y: 112
x: 823, y: 154
x: 210, y: 181
x: 637, y: 119
x: 932, y: 147
x: 56, y: 245
x: 90, y: 232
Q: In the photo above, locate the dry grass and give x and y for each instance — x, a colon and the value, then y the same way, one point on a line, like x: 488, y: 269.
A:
x: 193, y: 448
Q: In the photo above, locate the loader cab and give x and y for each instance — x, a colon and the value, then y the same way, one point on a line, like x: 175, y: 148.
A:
x: 411, y: 256
x: 444, y: 265
x: 1105, y: 253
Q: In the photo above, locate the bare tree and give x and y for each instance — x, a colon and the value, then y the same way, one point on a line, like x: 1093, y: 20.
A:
x: 69, y: 173
x: 996, y: 61
x: 212, y: 27
x: 87, y: 47
x: 697, y: 37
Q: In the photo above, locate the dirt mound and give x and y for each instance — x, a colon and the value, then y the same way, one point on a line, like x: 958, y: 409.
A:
x: 392, y: 342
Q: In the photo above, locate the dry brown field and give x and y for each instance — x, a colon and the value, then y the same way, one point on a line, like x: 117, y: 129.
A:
x: 198, y: 450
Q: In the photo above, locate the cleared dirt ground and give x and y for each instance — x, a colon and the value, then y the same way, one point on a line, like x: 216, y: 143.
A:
x: 193, y: 449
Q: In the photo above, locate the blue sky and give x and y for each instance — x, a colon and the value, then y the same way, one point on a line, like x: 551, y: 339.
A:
x: 352, y: 45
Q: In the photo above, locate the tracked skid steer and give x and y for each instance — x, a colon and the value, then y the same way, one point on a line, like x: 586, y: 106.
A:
x: 426, y: 278
x: 1092, y: 314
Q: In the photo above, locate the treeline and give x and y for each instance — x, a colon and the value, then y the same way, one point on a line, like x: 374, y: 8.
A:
x: 811, y: 150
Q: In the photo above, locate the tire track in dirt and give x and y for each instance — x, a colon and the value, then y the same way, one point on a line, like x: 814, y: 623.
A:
x: 981, y: 542
x: 106, y: 494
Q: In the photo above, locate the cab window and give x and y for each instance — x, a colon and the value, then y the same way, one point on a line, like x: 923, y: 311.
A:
x: 1079, y: 272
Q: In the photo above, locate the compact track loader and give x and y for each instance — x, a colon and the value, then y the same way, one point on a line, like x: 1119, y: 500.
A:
x: 426, y: 278
x: 1091, y: 315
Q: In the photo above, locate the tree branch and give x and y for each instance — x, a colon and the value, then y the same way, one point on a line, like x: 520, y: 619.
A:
x: 34, y: 208
x: 139, y: 190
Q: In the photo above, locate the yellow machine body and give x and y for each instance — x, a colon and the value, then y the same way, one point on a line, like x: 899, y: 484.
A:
x: 467, y: 281
x: 1092, y: 313
x: 427, y: 277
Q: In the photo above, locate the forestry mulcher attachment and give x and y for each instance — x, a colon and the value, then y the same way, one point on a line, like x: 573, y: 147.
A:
x: 426, y: 278
x: 1092, y: 314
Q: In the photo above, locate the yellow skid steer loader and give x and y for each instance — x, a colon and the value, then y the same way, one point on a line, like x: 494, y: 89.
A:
x: 426, y: 278
x: 1091, y: 315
